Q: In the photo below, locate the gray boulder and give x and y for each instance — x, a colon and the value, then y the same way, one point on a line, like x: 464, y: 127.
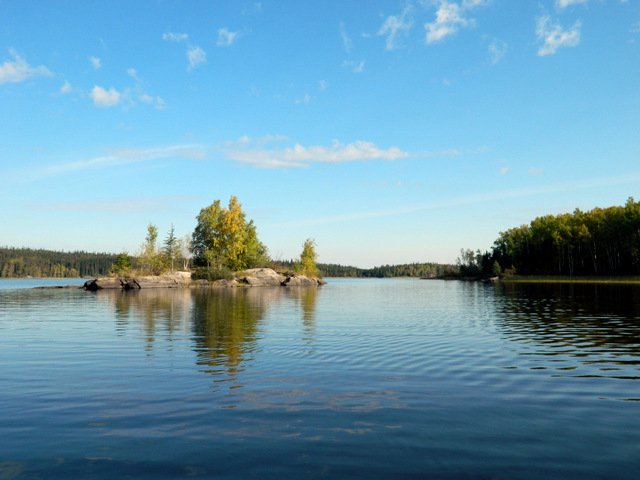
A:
x: 261, y: 277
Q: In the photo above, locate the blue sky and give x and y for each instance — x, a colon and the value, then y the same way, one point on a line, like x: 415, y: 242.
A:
x: 389, y: 131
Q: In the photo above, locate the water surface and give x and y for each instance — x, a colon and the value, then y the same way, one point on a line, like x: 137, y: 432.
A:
x: 357, y: 379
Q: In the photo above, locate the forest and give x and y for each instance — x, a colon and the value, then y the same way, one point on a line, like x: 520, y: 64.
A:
x: 25, y: 262
x: 415, y: 270
x: 602, y: 241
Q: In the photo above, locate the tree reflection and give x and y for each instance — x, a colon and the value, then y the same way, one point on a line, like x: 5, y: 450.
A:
x: 225, y: 324
x: 307, y: 298
x: 596, y: 323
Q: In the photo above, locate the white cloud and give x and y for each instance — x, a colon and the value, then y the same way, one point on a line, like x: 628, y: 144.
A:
x: 157, y: 102
x: 196, y: 56
x: 566, y: 3
x: 450, y: 17
x: 226, y: 38
x: 346, y: 41
x: 535, y: 171
x: 66, y: 88
x: 255, y: 154
x: 133, y: 73
x: 497, y: 51
x: 554, y: 37
x: 448, y: 20
x: 305, y: 99
x: 105, y: 98
x: 175, y: 37
x: 95, y: 63
x: 393, y: 26
x: 357, y: 67
x: 253, y: 9
x: 322, y: 85
x: 19, y: 70
x: 127, y: 156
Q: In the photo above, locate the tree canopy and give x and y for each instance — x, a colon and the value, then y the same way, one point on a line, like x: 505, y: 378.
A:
x: 224, y: 238
x: 307, y: 264
x: 602, y: 241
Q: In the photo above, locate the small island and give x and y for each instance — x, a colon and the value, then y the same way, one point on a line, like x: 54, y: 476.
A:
x: 254, y: 277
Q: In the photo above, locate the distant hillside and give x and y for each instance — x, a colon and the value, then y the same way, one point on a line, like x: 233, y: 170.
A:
x: 25, y: 262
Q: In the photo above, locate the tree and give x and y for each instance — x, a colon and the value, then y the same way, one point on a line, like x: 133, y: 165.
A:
x: 122, y: 265
x: 224, y: 238
x: 307, y: 264
x: 184, y: 250
x: 171, y: 246
x: 149, y: 258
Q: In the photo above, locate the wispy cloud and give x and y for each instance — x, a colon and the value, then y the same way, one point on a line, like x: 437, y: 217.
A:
x: 105, y: 98
x: 96, y: 63
x: 252, y: 9
x: 196, y: 56
x: 119, y: 205
x: 395, y: 184
x: 397, y: 25
x: 175, y: 37
x: 553, y: 36
x: 139, y: 93
x: 450, y: 17
x: 227, y: 38
x: 127, y: 156
x: 566, y: 3
x: 256, y: 153
x: 19, y: 70
x: 66, y: 88
x: 305, y: 99
x: 573, y: 186
x: 156, y: 102
x: 346, y: 40
x: 497, y: 51
x: 356, y: 67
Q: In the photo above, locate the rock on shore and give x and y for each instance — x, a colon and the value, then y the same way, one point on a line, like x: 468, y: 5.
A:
x: 255, y: 277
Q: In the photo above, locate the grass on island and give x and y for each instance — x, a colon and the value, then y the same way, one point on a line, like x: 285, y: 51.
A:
x: 566, y: 279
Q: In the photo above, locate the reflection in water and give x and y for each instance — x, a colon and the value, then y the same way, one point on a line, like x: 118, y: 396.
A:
x: 157, y: 311
x: 584, y: 330
x: 223, y: 324
x: 307, y: 298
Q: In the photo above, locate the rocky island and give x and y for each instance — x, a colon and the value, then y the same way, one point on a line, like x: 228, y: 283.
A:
x: 255, y: 277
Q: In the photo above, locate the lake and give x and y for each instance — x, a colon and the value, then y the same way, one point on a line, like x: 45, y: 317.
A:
x: 362, y: 378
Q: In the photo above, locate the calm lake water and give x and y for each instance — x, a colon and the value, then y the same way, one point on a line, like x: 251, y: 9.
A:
x: 358, y: 379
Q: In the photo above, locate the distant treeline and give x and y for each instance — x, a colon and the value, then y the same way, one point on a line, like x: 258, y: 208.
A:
x: 602, y: 241
x: 25, y: 262
x: 426, y: 270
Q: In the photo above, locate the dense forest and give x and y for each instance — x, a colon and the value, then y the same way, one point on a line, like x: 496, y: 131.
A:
x: 602, y: 241
x: 418, y: 270
x: 25, y: 262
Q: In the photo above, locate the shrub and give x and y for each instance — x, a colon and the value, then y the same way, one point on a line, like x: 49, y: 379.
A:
x: 212, y: 273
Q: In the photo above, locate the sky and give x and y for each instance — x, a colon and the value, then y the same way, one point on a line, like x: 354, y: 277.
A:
x: 389, y: 131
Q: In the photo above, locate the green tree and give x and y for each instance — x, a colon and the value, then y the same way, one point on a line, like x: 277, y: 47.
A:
x: 171, y: 247
x: 149, y: 259
x: 224, y: 238
x: 307, y: 264
x: 122, y: 265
